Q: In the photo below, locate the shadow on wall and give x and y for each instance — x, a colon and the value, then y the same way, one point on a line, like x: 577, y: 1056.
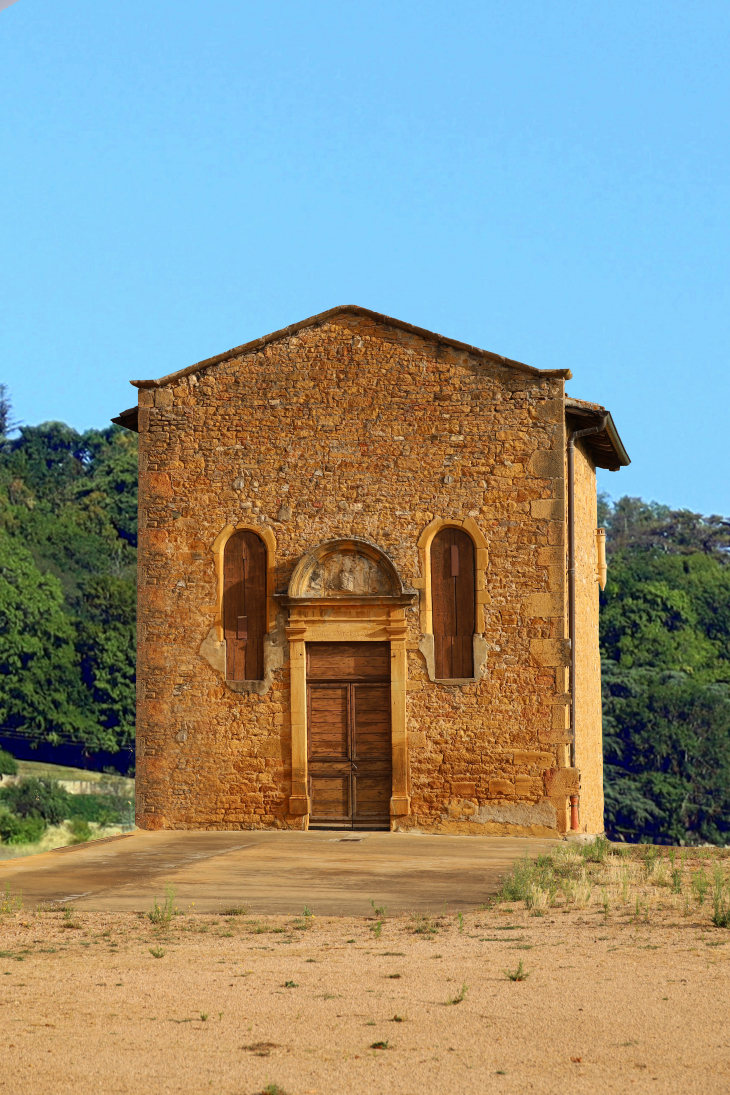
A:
x: 67, y: 754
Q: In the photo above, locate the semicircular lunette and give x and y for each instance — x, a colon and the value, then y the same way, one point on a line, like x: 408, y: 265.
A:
x: 341, y: 568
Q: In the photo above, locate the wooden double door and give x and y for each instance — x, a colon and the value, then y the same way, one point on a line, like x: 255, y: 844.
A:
x: 349, y: 735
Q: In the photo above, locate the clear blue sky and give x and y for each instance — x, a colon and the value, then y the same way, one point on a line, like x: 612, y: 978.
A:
x: 548, y: 180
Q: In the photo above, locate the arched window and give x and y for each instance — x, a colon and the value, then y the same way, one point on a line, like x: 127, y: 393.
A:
x: 244, y: 606
x: 453, y: 600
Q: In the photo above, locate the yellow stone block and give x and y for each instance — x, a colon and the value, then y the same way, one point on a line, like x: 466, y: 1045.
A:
x: 501, y: 787
x: 545, y: 605
x: 559, y: 716
x: 535, y: 760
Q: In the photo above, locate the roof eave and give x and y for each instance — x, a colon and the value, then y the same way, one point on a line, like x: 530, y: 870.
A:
x: 129, y: 419
x: 623, y: 457
x: 594, y: 412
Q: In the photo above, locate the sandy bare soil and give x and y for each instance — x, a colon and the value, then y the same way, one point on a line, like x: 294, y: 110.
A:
x: 631, y: 998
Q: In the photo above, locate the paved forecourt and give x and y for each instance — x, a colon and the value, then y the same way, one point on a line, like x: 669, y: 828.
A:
x: 334, y: 873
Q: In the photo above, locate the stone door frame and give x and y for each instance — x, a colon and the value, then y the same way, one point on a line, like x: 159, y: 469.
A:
x: 351, y: 619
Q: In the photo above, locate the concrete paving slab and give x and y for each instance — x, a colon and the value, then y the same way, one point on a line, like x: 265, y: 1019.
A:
x: 334, y: 873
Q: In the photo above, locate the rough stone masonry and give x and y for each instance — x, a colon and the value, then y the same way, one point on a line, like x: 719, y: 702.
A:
x: 359, y: 431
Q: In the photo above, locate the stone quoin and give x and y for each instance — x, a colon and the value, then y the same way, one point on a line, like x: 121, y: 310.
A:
x: 354, y: 587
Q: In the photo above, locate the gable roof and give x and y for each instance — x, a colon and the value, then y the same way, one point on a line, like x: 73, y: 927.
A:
x: 344, y: 310
x: 606, y: 447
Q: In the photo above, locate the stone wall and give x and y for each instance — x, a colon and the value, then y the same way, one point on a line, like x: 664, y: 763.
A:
x: 352, y: 428
x: 589, y: 733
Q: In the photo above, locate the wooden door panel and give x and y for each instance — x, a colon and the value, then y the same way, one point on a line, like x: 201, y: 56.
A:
x: 349, y: 734
x: 462, y: 656
x: 453, y: 603
x: 331, y: 798
x: 371, y: 724
x: 328, y: 721
x: 372, y: 798
x: 233, y: 607
x: 442, y: 585
x: 348, y: 661
x: 442, y: 656
x: 464, y: 585
x: 244, y: 605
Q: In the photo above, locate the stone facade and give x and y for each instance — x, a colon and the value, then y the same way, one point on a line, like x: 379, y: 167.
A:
x: 354, y: 428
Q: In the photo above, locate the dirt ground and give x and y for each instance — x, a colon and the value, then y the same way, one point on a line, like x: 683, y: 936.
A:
x: 625, y: 994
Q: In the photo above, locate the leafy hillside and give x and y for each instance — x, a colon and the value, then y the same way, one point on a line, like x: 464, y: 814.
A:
x: 68, y: 534
x: 665, y: 644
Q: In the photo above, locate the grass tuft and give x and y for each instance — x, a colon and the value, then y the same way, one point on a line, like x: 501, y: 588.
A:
x: 161, y: 915
x: 517, y: 975
x: 721, y: 907
x: 10, y: 903
x: 459, y: 998
x: 423, y: 924
x: 596, y: 851
x: 305, y: 921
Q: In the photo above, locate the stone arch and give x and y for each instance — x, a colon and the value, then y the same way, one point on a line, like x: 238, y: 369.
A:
x: 244, y: 605
x: 481, y: 561
x: 213, y: 646
x: 218, y: 548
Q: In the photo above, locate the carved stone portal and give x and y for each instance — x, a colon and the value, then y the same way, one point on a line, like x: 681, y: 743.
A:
x: 347, y: 590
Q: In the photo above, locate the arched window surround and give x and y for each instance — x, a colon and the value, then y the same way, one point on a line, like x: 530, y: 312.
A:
x: 481, y: 562
x: 219, y: 546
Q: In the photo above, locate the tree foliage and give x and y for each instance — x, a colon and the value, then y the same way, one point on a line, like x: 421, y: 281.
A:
x: 68, y: 536
x: 638, y: 526
x: 8, y: 764
x: 665, y: 644
x: 31, y: 804
x: 38, y: 798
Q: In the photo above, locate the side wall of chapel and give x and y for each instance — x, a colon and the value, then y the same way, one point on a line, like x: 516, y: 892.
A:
x: 588, y: 711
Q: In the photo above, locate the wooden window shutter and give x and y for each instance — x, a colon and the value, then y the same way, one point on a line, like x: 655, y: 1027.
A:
x: 244, y: 606
x: 453, y: 603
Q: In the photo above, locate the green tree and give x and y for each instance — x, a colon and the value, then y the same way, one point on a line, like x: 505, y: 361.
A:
x: 665, y: 644
x: 636, y: 525
x: 40, y: 691
x: 667, y: 756
x: 38, y: 798
x: 649, y: 617
x: 68, y: 507
x: 107, y: 649
x: 8, y: 764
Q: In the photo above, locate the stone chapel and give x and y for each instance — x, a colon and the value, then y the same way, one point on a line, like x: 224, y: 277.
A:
x: 368, y: 587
